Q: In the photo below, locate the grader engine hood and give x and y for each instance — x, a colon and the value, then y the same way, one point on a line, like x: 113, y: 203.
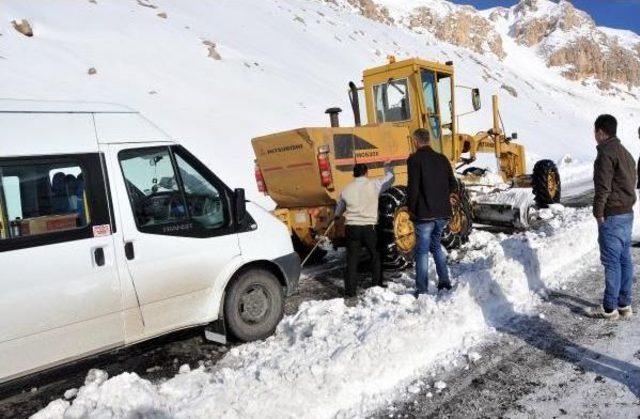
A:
x: 289, y: 163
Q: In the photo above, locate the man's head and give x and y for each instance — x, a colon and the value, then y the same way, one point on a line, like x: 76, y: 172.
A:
x: 605, y: 127
x: 422, y: 137
x: 360, y: 170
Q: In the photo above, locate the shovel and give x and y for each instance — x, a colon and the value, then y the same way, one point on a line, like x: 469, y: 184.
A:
x: 323, y: 236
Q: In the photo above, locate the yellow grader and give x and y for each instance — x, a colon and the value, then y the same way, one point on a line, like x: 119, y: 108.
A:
x: 305, y: 169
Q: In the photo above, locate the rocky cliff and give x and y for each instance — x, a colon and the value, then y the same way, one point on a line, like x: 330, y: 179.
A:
x: 563, y: 36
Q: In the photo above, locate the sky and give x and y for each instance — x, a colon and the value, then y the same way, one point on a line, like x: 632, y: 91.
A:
x: 621, y: 14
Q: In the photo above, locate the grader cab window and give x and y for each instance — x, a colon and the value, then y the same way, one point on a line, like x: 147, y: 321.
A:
x: 431, y: 100
x: 445, y: 103
x: 392, y: 101
x: 437, y: 90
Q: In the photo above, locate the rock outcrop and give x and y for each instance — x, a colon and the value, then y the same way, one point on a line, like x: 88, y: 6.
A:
x: 569, y: 38
x: 463, y: 27
x: 23, y: 26
x: 560, y: 34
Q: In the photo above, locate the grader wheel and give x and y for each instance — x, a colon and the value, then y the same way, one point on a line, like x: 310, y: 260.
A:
x: 461, y: 223
x: 546, y: 183
x: 396, y: 232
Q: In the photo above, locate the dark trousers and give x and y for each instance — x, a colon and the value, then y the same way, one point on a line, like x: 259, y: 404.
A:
x: 357, y: 237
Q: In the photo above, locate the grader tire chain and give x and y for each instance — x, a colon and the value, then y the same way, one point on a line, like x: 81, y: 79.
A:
x: 542, y: 170
x: 451, y: 240
x: 390, y: 201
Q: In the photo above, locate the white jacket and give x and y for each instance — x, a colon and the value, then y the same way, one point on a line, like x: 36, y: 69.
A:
x: 359, y: 199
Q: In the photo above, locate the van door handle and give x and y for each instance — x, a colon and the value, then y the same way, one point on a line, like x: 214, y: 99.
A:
x: 98, y: 256
x: 128, y: 250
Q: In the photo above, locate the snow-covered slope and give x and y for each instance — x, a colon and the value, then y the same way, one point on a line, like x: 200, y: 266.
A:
x: 216, y: 73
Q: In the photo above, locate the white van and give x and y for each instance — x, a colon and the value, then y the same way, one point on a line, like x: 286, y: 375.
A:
x: 111, y: 233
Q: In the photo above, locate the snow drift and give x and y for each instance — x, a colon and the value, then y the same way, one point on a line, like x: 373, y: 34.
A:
x: 332, y: 360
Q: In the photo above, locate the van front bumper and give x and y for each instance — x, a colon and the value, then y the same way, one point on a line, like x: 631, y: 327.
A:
x: 290, y: 267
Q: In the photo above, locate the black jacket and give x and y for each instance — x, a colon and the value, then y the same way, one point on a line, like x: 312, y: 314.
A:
x: 431, y: 181
x: 614, y: 179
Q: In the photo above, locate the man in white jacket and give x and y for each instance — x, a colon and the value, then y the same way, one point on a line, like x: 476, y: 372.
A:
x: 359, y: 203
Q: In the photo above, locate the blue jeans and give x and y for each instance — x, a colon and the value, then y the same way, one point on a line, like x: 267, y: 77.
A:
x: 614, y: 238
x: 429, y: 235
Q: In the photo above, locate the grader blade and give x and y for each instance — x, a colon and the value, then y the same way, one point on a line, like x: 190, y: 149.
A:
x: 510, y: 208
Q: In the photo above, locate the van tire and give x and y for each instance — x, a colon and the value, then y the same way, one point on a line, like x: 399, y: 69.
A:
x: 253, y: 305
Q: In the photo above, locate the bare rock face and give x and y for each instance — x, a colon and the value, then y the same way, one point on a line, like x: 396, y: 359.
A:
x: 367, y: 8
x: 371, y: 10
x: 531, y: 28
x: 145, y: 3
x: 569, y: 38
x: 512, y: 90
x: 499, y: 13
x: 586, y: 58
x: 463, y: 27
x: 211, y: 47
x: 561, y: 34
x: 23, y: 26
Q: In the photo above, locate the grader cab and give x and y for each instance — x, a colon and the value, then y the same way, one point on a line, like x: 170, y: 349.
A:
x: 304, y: 170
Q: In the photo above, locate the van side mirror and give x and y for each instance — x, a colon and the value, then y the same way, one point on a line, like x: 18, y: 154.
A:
x: 240, y: 204
x: 475, y: 99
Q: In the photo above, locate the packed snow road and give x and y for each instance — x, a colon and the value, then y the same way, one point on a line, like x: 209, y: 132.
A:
x: 557, y: 362
x: 331, y: 359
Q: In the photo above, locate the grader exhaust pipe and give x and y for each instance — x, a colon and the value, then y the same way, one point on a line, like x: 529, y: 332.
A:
x: 355, y: 103
x: 334, y: 116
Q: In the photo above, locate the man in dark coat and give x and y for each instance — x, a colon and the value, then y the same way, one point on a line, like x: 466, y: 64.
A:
x: 431, y: 182
x: 614, y: 179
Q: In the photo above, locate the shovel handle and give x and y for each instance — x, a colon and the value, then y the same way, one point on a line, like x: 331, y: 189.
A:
x: 316, y: 245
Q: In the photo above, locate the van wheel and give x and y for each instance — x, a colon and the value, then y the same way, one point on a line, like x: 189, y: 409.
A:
x: 254, y: 305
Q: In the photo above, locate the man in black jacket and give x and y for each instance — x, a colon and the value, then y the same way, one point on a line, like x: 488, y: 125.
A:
x: 614, y: 178
x: 431, y: 182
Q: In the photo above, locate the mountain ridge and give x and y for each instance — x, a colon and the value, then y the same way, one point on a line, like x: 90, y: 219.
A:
x: 567, y: 38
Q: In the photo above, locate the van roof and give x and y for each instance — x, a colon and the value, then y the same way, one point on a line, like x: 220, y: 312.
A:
x: 60, y: 106
x: 36, y: 127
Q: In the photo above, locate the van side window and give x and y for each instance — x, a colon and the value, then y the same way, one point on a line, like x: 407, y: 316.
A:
x: 43, y: 196
x: 203, y: 199
x: 152, y: 186
x: 172, y: 193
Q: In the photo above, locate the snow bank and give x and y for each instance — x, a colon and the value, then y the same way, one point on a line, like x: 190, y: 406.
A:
x: 333, y: 360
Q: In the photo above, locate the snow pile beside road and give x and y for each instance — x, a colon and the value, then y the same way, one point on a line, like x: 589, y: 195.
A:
x: 330, y: 359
